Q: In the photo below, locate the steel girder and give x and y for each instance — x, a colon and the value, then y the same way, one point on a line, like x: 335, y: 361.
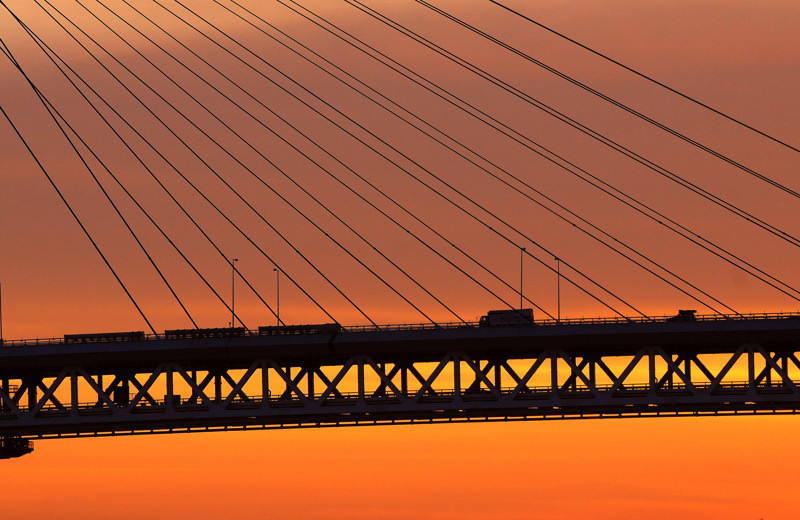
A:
x: 553, y: 384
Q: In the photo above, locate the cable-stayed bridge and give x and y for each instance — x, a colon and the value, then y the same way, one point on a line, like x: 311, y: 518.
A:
x: 366, y: 161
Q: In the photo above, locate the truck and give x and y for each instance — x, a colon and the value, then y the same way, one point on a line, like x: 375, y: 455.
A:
x: 684, y: 315
x: 507, y: 318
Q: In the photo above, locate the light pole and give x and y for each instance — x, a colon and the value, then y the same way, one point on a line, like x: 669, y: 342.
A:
x: 1, y: 313
x: 233, y: 291
x: 521, y: 256
x: 278, y: 296
x: 558, y: 286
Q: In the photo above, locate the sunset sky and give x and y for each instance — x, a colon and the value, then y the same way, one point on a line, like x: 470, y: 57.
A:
x: 739, y: 57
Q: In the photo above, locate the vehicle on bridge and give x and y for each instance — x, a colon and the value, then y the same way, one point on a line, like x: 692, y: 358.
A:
x: 507, y: 318
x: 684, y: 315
x: 219, y: 332
x: 104, y: 337
x: 284, y: 330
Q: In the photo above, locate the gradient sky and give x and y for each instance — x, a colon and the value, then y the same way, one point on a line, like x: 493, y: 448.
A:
x: 740, y: 57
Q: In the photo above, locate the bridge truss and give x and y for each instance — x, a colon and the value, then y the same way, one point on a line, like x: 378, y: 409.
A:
x: 400, y: 377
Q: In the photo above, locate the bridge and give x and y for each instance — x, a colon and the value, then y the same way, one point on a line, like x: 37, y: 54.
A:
x: 196, y: 182
x: 325, y: 375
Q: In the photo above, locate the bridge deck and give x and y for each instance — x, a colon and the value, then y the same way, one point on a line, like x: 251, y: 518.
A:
x: 708, y: 334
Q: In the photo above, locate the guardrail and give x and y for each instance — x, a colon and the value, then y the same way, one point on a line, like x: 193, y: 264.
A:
x: 298, y: 329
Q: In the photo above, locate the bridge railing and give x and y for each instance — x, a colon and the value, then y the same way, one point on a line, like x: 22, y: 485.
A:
x: 411, y: 326
x: 448, y: 326
x: 579, y: 321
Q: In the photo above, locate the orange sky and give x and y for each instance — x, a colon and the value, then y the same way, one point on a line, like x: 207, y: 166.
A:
x: 739, y: 57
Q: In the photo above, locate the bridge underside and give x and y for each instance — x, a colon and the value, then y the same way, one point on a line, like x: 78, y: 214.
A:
x: 168, y: 423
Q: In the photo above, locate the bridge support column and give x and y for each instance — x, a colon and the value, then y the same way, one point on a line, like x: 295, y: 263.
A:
x: 456, y: 377
x: 6, y: 387
x: 361, y: 385
x: 265, y: 393
x: 652, y: 377
x: 170, y: 400
x: 751, y: 367
x: 73, y: 387
x: 122, y: 393
x: 33, y: 395
x: 218, y: 386
x: 311, y: 369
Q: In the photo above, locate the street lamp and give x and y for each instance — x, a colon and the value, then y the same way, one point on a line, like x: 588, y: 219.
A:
x: 278, y: 296
x: 233, y: 291
x: 558, y: 286
x: 521, y: 254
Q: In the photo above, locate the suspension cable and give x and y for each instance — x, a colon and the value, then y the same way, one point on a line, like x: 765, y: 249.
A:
x: 455, y: 104
x: 9, y: 55
x: 311, y: 108
x: 576, y: 124
x: 608, y: 99
x: 681, y: 231
x: 55, y: 56
x: 272, y: 164
x: 415, y: 163
x: 199, y: 158
x: 648, y: 78
x: 56, y: 115
x: 383, y: 194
